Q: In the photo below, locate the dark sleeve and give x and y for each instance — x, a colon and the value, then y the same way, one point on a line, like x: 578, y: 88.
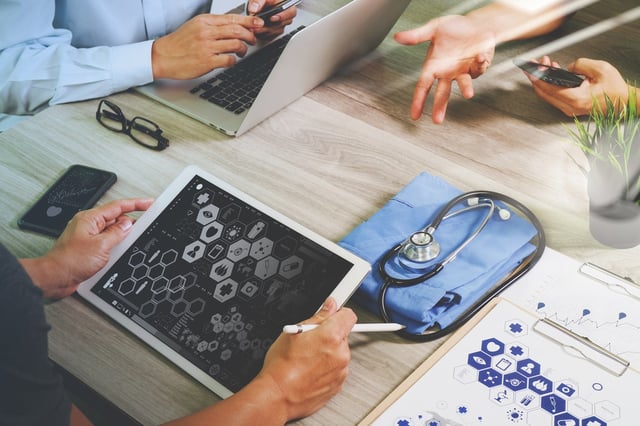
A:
x: 31, y: 390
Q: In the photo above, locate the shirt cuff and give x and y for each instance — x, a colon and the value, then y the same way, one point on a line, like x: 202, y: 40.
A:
x: 131, y: 65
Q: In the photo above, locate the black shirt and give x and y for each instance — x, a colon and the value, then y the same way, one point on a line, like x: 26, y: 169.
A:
x: 31, y: 390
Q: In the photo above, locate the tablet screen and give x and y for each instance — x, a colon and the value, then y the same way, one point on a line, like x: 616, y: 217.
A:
x: 215, y: 279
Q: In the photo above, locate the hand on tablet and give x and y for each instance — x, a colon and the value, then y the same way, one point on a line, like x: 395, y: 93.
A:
x: 300, y: 374
x: 310, y: 368
x: 84, y: 247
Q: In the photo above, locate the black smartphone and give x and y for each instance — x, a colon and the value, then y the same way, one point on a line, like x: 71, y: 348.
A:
x: 79, y: 188
x: 549, y: 74
x: 269, y: 11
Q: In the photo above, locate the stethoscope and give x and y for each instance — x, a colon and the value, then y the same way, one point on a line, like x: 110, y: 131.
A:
x: 416, y: 253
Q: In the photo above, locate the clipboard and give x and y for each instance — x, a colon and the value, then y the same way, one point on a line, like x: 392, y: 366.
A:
x: 478, y: 377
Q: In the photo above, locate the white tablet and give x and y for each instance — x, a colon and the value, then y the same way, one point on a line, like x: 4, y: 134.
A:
x: 208, y: 276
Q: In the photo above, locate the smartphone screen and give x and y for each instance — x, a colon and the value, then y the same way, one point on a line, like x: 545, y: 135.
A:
x: 79, y: 188
x: 549, y: 74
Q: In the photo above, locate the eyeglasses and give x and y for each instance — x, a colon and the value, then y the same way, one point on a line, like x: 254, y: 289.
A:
x: 143, y: 131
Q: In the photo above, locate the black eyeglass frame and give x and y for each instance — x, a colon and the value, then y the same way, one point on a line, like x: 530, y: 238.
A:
x: 138, y: 123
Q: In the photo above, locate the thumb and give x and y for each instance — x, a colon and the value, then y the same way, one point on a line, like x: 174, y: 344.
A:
x: 329, y: 307
x: 417, y: 35
x: 116, y: 232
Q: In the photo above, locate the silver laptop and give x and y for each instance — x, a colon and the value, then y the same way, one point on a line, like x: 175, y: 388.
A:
x: 311, y: 52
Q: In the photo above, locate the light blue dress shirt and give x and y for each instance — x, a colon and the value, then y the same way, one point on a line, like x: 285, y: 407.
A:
x: 60, y: 51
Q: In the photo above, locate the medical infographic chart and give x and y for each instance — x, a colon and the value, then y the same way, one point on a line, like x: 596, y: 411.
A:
x: 503, y: 371
x: 602, y: 308
x: 215, y: 279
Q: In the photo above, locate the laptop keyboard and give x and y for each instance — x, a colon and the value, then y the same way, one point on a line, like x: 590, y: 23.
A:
x: 236, y: 88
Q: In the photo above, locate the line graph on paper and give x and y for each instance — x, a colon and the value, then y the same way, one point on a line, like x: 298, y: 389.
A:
x: 556, y: 290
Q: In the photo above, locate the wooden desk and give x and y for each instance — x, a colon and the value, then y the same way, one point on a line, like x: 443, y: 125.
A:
x: 332, y: 158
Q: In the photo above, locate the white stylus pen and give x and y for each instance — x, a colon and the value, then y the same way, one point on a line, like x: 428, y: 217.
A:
x: 358, y: 328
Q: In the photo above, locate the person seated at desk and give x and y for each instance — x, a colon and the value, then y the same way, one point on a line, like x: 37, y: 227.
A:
x: 462, y: 48
x: 54, y: 52
x: 300, y: 373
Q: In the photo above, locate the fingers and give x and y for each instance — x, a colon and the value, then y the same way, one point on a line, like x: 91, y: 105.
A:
x: 440, y: 101
x: 417, y: 35
x: 254, y: 6
x: 110, y: 212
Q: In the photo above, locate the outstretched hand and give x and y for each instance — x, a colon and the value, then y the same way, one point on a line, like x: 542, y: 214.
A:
x: 460, y: 50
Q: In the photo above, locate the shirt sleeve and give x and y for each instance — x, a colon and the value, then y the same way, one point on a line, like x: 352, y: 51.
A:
x: 40, y: 67
x: 31, y: 390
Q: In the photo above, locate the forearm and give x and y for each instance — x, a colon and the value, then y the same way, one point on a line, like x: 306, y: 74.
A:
x: 42, y: 271
x: 257, y: 403
x: 509, y: 23
x: 32, y: 78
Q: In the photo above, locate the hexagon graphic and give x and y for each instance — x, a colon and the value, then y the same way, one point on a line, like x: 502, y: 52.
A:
x: 126, y: 286
x: 159, y: 285
x: 516, y: 328
x: 216, y: 251
x: 225, y: 290
x: 221, y: 270
x: 285, y: 247
x: 528, y: 367
x: 249, y: 289
x: 207, y: 214
x: 515, y: 381
x: 527, y: 400
x: 266, y: 267
x: 540, y: 385
x: 465, y: 374
x: 239, y: 250
x: 176, y: 283
x: 169, y: 257
x: 193, y: 251
x: 490, y: 377
x: 190, y: 279
x: 553, y: 403
x: 479, y: 360
x: 147, y: 309
x: 606, y: 410
x: 580, y: 407
x: 196, y: 306
x: 501, y: 395
x: 291, y: 267
x: 136, y: 258
x: 255, y: 230
x: 492, y: 347
x: 593, y: 421
x: 140, y: 271
x: 179, y: 308
x: 233, y: 232
x: 261, y: 248
x: 203, y: 197
x: 565, y: 419
x: 156, y: 271
x: 211, y: 232
x: 229, y: 213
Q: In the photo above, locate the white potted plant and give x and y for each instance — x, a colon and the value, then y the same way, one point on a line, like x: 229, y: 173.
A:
x: 610, y: 139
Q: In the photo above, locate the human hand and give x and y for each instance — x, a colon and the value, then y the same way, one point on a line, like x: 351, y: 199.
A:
x: 203, y: 43
x: 308, y: 369
x: 460, y: 50
x: 275, y: 25
x: 84, y: 247
x: 600, y: 78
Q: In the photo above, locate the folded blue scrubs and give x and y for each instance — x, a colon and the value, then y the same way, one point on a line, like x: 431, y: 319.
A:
x: 493, y: 254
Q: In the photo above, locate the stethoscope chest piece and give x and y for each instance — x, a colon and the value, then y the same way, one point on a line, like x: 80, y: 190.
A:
x: 421, y: 247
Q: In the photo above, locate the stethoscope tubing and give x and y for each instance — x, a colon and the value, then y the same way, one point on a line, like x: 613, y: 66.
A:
x: 444, y: 213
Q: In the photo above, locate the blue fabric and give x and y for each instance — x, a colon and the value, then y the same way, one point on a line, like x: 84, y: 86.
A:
x: 499, y: 248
